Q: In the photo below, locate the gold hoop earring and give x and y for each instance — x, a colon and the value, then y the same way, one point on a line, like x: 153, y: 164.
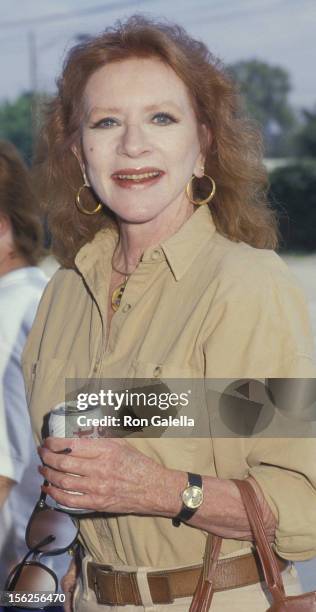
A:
x: 79, y: 205
x: 206, y: 200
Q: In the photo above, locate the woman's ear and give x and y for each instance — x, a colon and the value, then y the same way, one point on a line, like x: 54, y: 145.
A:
x: 77, y: 153
x: 206, y: 139
x: 5, y: 225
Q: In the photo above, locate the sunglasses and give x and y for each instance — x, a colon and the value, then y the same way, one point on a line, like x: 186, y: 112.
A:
x: 49, y: 532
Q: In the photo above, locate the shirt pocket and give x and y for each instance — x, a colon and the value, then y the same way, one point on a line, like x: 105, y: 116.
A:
x: 161, y: 370
x: 186, y: 447
x: 184, y: 390
x: 45, y: 384
x: 43, y: 376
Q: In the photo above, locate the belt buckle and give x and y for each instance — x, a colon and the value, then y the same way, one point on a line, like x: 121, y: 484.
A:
x: 97, y: 589
x: 112, y: 592
x: 98, y: 571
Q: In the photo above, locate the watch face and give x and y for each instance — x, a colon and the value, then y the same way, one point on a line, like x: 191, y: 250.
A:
x: 192, y: 497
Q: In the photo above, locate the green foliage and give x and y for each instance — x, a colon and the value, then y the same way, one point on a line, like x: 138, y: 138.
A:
x: 16, y: 124
x: 307, y: 135
x: 266, y: 89
x: 293, y: 194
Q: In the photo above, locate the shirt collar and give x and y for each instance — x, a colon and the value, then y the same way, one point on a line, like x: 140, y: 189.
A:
x: 96, y: 252
x: 93, y: 261
x: 180, y: 250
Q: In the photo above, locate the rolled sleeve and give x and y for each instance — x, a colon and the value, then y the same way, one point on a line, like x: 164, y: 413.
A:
x: 261, y: 330
x: 291, y: 496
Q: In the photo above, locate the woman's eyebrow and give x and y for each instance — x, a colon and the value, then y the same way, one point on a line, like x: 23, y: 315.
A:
x: 102, y: 110
x: 158, y: 105
x: 118, y: 110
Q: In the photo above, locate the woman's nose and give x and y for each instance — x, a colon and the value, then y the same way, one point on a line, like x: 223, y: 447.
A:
x: 133, y: 141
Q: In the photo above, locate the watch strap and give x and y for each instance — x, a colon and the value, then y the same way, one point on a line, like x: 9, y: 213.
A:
x: 194, y: 480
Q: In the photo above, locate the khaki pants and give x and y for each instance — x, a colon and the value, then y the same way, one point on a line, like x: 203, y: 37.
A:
x: 253, y: 598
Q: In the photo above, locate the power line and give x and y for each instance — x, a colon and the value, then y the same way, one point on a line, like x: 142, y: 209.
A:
x: 219, y: 16
x: 241, y: 12
x: 234, y: 15
x: 70, y: 15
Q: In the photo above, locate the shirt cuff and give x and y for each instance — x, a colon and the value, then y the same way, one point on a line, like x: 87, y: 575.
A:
x: 292, y: 499
x: 12, y: 468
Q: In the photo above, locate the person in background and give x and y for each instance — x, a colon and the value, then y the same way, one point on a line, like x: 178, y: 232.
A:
x: 21, y: 286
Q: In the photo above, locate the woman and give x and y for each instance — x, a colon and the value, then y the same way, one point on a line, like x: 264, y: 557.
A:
x: 156, y: 284
x: 21, y: 286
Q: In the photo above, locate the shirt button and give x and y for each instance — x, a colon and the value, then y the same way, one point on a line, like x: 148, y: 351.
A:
x: 157, y: 371
x: 155, y: 255
x: 96, y: 365
x: 126, y: 308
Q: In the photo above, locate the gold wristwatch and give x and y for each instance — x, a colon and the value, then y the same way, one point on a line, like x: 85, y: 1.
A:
x: 192, y: 498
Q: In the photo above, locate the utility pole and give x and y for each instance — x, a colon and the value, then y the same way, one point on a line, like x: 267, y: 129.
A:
x: 32, y: 53
x: 32, y: 62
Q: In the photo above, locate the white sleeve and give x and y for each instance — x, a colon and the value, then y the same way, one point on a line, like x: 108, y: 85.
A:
x: 14, y: 416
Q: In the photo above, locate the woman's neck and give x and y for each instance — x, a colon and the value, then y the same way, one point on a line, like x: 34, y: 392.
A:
x: 135, y: 238
x: 8, y: 263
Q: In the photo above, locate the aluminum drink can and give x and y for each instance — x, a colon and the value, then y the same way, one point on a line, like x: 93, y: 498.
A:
x: 63, y: 423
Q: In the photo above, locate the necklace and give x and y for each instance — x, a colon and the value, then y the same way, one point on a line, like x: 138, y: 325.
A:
x: 117, y: 294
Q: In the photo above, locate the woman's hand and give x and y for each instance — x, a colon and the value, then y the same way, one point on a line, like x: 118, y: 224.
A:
x: 68, y: 584
x: 115, y: 477
x: 111, y: 475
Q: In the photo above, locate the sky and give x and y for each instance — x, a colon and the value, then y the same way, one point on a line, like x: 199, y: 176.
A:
x: 280, y: 32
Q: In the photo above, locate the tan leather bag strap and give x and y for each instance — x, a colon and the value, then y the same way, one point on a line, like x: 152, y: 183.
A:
x: 203, y: 595
x: 270, y: 567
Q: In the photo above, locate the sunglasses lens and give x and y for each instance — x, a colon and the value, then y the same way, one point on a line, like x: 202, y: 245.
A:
x: 33, y: 578
x: 50, y: 522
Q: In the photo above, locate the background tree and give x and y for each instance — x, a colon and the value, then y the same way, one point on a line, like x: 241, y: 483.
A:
x: 266, y: 89
x: 16, y: 124
x: 293, y: 195
x: 307, y: 136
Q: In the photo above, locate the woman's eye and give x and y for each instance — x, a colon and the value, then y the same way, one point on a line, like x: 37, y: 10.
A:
x: 163, y: 119
x: 107, y: 122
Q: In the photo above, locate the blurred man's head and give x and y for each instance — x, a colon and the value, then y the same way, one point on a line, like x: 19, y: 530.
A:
x: 21, y: 235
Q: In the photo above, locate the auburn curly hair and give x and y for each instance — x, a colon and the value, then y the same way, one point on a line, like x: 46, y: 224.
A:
x: 19, y: 204
x: 240, y: 209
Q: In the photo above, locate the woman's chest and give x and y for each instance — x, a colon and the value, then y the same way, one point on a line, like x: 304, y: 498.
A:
x: 152, y: 335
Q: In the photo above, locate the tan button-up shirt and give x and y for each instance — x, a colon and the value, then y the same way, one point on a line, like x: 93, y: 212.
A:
x: 198, y: 305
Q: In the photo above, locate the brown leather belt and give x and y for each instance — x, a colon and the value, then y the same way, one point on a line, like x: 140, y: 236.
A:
x: 121, y: 588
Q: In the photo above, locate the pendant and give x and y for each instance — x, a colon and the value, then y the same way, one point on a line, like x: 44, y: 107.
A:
x: 117, y: 296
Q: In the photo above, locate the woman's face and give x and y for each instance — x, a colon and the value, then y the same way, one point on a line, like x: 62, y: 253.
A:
x: 140, y: 140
